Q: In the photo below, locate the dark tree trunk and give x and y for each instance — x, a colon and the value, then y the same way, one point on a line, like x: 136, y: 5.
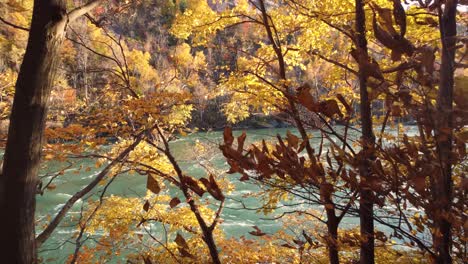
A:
x: 366, y: 211
x: 18, y: 183
x: 332, y: 226
x: 443, y: 182
x: 25, y: 135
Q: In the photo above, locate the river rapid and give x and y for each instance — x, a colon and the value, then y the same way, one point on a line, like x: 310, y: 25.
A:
x: 237, y: 222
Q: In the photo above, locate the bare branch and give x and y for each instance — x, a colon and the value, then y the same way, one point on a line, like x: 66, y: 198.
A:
x: 79, y: 11
x: 13, y: 25
x: 42, y: 237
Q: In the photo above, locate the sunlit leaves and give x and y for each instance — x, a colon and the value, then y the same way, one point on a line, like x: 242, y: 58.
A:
x: 245, y: 91
x: 201, y: 21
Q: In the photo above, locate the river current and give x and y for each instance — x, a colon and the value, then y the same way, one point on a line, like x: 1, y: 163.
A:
x: 237, y: 222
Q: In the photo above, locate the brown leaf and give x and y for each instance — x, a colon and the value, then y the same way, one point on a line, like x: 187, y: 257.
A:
x: 262, y: 162
x: 231, y: 153
x: 330, y: 108
x: 205, y: 182
x: 400, y: 16
x: 146, y: 206
x: 396, y: 110
x: 395, y: 55
x: 264, y: 147
x: 426, y: 56
x: 183, y: 246
x: 244, y: 177
x: 293, y: 141
x: 228, y: 138
x: 382, y: 35
x: 180, y: 241
x: 174, y: 202
x: 240, y: 142
x: 193, y: 185
x: 419, y: 183
x: 213, y: 188
x: 302, y: 146
x: 369, y: 65
x: 184, y: 253
x: 152, y: 184
x: 147, y: 260
x: 385, y: 15
x: 257, y: 232
x: 306, y: 99
x: 214, y: 184
x: 390, y: 39
x: 234, y: 167
x: 326, y: 189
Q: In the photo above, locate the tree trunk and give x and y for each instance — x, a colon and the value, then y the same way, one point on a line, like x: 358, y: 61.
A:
x: 18, y: 183
x: 366, y: 211
x: 443, y: 181
x: 332, y: 226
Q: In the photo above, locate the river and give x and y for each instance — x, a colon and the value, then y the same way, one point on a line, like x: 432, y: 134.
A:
x: 236, y: 222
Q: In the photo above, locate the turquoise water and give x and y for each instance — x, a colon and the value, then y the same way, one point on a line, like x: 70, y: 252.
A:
x: 237, y: 221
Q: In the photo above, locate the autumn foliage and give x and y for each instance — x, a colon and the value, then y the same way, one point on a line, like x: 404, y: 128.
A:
x: 373, y: 92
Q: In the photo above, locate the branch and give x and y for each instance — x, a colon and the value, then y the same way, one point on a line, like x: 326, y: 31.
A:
x: 84, y: 225
x: 13, y: 25
x: 337, y: 63
x: 42, y: 237
x: 79, y: 11
x: 401, y: 67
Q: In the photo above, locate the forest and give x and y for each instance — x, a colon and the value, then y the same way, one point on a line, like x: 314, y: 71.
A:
x: 233, y: 131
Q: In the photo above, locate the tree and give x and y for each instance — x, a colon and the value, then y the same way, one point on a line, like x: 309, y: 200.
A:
x: 366, y: 204
x: 399, y: 73
x: 18, y: 182
x: 347, y: 76
x: 443, y: 182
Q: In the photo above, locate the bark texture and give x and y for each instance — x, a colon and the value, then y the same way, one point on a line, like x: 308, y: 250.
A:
x: 18, y: 183
x: 443, y: 181
x: 332, y: 241
x: 366, y: 211
x: 25, y: 135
